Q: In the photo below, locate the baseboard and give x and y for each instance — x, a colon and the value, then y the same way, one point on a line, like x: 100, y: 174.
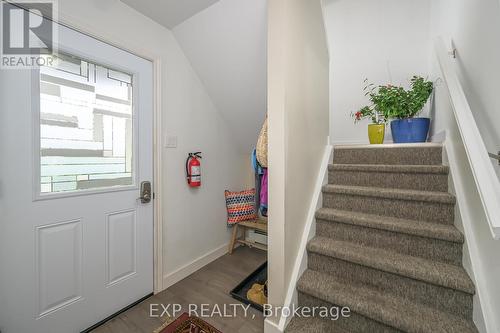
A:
x: 349, y: 142
x: 188, y: 269
x: 482, y: 310
x: 354, y: 142
x: 309, y: 231
x: 271, y: 327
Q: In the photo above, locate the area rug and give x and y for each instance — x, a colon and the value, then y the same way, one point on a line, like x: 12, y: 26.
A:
x: 187, y: 324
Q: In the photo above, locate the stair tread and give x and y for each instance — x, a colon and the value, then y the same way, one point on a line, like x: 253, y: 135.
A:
x: 434, y: 169
x: 312, y: 325
x: 390, y: 193
x: 420, y: 145
x: 388, y: 309
x: 401, y: 154
x: 433, y: 230
x: 434, y: 272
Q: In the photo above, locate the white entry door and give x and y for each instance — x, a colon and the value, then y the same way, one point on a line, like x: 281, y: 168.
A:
x: 76, y: 244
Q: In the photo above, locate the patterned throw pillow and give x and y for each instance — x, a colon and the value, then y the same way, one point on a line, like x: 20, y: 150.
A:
x: 240, y: 206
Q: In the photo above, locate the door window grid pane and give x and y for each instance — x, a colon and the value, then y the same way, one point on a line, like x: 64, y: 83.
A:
x: 86, y: 120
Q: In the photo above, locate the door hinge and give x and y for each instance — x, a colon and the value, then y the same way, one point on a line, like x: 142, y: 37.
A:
x: 154, y: 196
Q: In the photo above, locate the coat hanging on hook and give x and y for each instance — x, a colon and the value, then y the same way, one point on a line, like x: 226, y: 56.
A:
x: 262, y: 145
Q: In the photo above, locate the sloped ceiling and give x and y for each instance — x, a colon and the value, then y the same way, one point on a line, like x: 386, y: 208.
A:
x: 227, y: 46
x: 169, y: 13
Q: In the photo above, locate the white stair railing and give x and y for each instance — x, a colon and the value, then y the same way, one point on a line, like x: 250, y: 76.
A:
x: 487, y: 182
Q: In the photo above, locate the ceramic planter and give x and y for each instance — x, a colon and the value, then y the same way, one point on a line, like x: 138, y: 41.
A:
x: 376, y: 133
x: 410, y: 130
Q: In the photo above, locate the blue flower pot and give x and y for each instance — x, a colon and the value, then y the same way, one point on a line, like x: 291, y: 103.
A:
x: 410, y: 130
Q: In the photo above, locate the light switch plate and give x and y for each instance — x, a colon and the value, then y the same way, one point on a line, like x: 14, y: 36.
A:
x: 171, y: 141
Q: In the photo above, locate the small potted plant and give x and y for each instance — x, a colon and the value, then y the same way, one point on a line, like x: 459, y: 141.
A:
x: 393, y: 102
x: 376, y: 130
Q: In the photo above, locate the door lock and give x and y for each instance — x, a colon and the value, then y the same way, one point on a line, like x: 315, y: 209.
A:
x: 146, y: 194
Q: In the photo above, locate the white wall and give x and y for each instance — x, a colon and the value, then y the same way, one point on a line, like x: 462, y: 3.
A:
x: 194, y: 220
x: 481, y: 250
x: 390, y: 40
x: 385, y: 41
x: 226, y: 45
x: 474, y: 28
x: 298, y: 129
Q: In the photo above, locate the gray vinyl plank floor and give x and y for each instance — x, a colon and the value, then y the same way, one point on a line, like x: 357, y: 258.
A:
x: 209, y: 285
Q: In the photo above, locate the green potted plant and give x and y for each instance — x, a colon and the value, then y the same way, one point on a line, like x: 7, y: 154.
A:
x: 394, y: 102
x: 406, y: 126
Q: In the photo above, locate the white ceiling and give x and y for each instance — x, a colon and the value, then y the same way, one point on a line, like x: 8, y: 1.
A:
x: 169, y: 13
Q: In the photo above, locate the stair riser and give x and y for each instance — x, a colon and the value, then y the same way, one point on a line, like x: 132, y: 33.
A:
x: 394, y: 156
x: 408, y: 209
x: 410, y: 181
x: 442, y: 299
x: 434, y: 249
x: 354, y: 323
x: 299, y: 325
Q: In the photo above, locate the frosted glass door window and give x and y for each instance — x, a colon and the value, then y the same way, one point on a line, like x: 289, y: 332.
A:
x: 86, y: 126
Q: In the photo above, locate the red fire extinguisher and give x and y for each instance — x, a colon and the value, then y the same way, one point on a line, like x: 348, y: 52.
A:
x: 193, y: 169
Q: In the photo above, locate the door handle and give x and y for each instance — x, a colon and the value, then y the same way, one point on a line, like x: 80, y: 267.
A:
x: 145, y: 192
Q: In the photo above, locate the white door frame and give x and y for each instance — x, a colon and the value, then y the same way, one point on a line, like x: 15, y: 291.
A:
x: 90, y: 30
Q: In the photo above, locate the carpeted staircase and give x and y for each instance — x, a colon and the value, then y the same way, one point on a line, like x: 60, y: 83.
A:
x: 386, y: 246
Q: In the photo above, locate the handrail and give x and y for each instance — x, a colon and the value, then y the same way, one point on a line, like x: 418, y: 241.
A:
x: 485, y: 177
x: 495, y: 156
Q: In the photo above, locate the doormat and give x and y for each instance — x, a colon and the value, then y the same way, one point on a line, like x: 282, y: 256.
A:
x: 187, y: 324
x: 259, y: 276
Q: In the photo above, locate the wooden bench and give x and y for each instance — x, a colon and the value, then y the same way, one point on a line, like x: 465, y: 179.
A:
x: 252, y: 224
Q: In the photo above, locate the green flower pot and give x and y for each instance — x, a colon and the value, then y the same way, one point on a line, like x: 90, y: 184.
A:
x: 376, y: 133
